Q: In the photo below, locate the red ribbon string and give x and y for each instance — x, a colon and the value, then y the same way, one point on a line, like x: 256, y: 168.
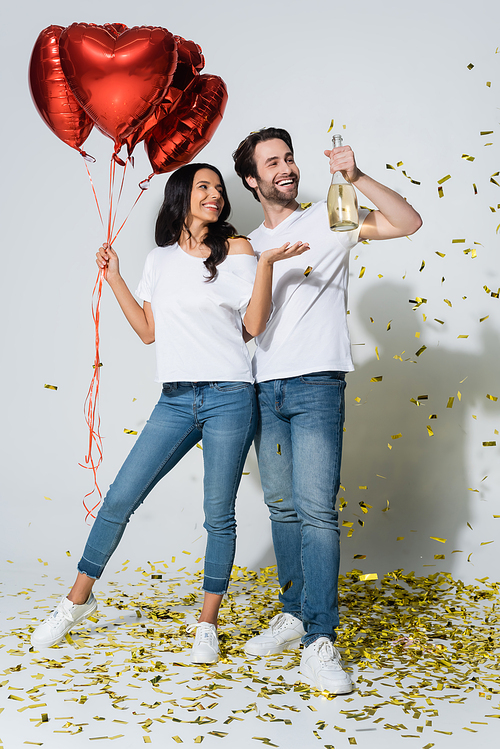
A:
x: 94, y: 455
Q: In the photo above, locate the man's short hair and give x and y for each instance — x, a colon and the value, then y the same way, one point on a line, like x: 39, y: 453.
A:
x: 244, y: 161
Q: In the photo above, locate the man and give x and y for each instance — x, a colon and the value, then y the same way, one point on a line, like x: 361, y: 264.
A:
x: 300, y: 365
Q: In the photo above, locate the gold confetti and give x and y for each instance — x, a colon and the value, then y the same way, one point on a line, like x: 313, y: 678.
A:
x: 435, y: 538
x: 376, y: 379
x: 440, y: 192
x: 400, y: 538
x: 489, y: 444
x: 444, y: 179
x: 466, y: 157
x: 389, y: 325
x: 177, y: 739
x: 420, y: 351
x: 278, y: 449
x: 286, y: 587
x: 429, y: 430
x: 368, y: 577
x: 492, y: 397
x: 439, y: 556
x: 462, y: 336
x: 469, y: 67
x: 482, y: 319
x: 359, y: 556
x: 389, y: 166
x: 396, y: 436
x: 450, y: 402
x: 51, y: 387
x: 331, y: 127
x: 376, y: 353
x: 485, y: 543
x: 362, y: 272
x: 130, y: 431
x: 422, y: 266
x: 307, y: 270
x: 304, y: 206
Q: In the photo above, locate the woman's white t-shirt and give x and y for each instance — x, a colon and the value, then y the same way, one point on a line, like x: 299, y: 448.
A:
x: 198, y: 324
x: 307, y: 330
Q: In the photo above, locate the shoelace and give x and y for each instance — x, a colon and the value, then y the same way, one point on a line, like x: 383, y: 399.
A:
x: 58, y: 615
x: 203, y: 631
x: 278, y: 623
x: 328, y: 655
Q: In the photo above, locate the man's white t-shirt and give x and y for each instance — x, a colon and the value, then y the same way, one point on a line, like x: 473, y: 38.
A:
x: 198, y: 324
x: 307, y: 330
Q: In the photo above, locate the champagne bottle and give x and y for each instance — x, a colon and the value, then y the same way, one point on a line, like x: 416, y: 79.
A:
x: 342, y: 202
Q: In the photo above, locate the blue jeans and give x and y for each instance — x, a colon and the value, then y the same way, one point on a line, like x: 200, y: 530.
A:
x: 224, y: 415
x: 299, y: 448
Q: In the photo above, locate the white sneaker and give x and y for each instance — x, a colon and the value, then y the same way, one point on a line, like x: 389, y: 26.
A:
x: 321, y: 666
x: 206, y: 643
x: 284, y: 633
x: 66, y: 616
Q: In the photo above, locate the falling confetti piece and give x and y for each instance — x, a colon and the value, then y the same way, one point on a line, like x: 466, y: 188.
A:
x: 307, y: 270
x: 130, y: 431
x: 444, y: 179
x: 435, y: 538
x: 492, y: 397
x: 462, y: 336
x: 304, y: 206
x: 359, y: 556
x: 389, y: 166
x: 368, y: 577
x: 485, y: 543
x: 420, y: 351
x: 489, y: 444
x: 482, y: 319
x: 331, y: 127
x: 278, y: 449
x: 396, y: 436
x: 389, y: 325
x: 379, y: 379
x: 51, y: 387
x: 431, y: 433
x: 286, y: 587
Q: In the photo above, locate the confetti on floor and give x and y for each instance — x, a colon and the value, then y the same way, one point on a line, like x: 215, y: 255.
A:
x: 418, y: 647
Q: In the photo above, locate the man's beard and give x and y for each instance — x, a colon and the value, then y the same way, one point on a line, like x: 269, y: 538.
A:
x: 273, y: 195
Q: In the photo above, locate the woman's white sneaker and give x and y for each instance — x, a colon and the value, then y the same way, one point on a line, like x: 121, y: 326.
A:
x: 321, y: 666
x: 66, y: 616
x: 206, y: 643
x: 284, y: 633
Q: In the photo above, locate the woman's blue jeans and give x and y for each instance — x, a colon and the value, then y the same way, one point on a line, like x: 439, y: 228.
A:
x: 299, y: 448
x: 224, y: 415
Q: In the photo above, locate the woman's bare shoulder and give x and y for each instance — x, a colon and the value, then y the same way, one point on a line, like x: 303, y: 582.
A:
x: 239, y: 245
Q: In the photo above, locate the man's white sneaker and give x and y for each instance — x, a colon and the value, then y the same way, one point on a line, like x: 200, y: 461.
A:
x: 321, y: 666
x: 284, y: 633
x: 206, y: 643
x: 66, y: 616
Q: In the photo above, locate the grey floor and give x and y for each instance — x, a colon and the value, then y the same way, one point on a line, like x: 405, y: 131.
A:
x: 127, y: 677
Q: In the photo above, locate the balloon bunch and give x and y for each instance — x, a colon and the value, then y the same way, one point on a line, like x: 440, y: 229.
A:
x: 133, y: 84
x: 139, y: 84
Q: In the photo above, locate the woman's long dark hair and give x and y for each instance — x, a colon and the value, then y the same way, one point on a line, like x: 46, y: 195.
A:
x: 175, y: 210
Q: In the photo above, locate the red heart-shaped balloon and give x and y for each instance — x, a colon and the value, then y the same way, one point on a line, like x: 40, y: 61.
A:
x: 51, y: 94
x: 178, y: 138
x: 190, y: 62
x: 118, y: 78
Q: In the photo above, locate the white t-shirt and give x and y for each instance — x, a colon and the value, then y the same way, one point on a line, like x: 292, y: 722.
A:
x: 307, y: 330
x: 198, y: 324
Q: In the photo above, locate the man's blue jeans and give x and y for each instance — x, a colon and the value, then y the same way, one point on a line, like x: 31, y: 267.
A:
x: 299, y: 448
x: 224, y: 415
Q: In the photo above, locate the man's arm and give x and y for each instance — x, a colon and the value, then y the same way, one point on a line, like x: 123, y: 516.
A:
x: 394, y: 217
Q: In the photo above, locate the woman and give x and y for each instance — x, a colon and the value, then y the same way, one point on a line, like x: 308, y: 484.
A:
x: 198, y: 305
